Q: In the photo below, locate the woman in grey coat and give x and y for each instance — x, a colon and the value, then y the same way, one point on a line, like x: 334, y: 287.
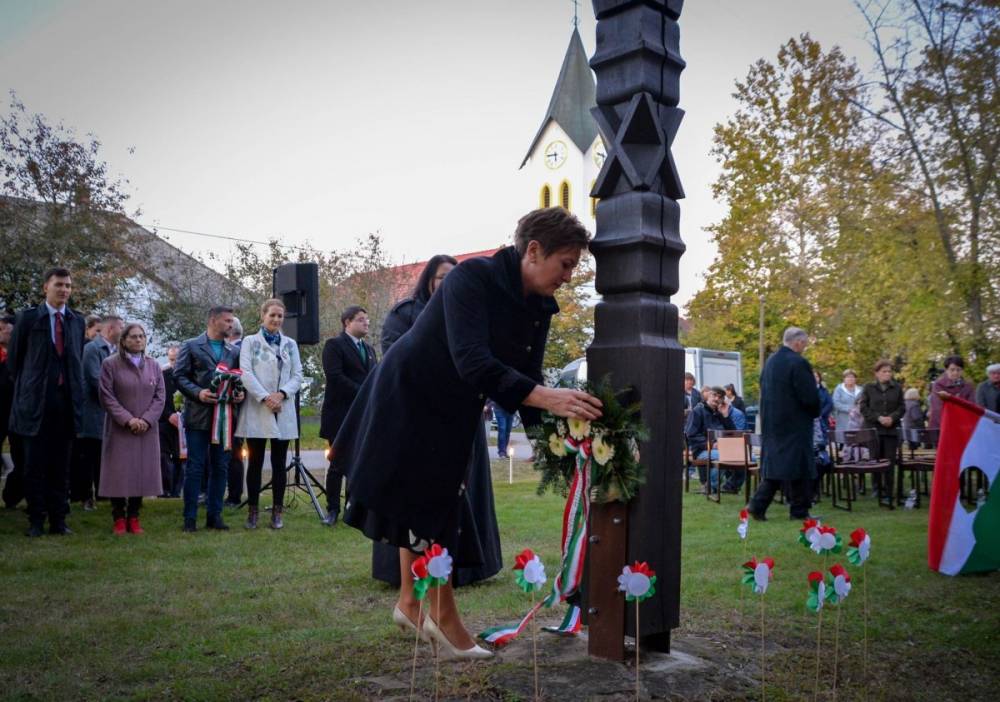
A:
x: 845, y: 397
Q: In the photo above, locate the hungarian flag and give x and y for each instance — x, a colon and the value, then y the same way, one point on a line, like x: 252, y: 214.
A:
x: 960, y: 541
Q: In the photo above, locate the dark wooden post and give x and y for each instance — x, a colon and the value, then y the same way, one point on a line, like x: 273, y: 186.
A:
x: 637, y: 248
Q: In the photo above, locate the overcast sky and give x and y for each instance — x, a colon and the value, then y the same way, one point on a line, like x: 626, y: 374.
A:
x: 324, y: 120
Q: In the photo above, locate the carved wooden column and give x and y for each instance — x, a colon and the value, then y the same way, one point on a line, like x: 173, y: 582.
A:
x: 637, y: 249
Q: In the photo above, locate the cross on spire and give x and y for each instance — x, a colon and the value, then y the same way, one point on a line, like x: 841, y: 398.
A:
x: 576, y: 19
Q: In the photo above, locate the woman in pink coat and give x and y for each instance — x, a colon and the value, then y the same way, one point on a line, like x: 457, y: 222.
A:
x: 951, y: 382
x: 131, y: 391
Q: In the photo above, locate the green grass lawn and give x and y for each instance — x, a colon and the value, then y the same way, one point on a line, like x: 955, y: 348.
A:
x: 294, y: 615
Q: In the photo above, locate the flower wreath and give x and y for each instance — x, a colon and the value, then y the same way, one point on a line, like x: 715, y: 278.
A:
x: 611, y: 441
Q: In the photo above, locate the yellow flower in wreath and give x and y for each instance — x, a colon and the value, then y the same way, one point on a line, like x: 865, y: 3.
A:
x: 556, y: 445
x: 579, y: 429
x: 603, y: 452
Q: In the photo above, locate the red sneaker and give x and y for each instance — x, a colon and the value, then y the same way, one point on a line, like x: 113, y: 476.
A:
x: 119, y: 528
x: 133, y: 526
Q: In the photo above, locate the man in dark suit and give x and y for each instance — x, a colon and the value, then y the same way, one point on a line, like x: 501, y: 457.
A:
x: 347, y: 361
x: 789, y: 401
x: 193, y: 374
x: 45, y: 361
x: 86, y: 468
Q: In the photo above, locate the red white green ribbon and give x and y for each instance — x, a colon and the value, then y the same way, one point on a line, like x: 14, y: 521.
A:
x: 574, y: 543
x: 860, y: 546
x: 225, y: 384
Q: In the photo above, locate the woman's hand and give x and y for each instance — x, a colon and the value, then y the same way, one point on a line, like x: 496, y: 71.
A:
x: 565, y: 402
x: 273, y: 401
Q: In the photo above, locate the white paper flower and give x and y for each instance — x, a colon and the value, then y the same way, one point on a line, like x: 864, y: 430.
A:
x: 631, y: 583
x: 865, y: 548
x: 823, y: 542
x: 603, y: 452
x: 761, y: 578
x: 841, y: 586
x: 534, y: 571
x: 556, y: 445
x: 440, y: 566
x: 742, y: 529
x: 820, y: 595
x: 579, y: 429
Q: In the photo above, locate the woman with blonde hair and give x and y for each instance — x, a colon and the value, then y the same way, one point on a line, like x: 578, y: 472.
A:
x: 272, y: 375
x: 845, y: 397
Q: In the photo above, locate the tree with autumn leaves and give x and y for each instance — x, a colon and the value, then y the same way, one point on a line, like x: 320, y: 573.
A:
x: 831, y: 218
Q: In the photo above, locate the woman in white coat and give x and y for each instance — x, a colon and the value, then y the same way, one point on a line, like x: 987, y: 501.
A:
x: 845, y: 397
x: 272, y: 374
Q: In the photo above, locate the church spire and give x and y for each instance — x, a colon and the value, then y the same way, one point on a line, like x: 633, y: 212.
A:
x: 572, y: 99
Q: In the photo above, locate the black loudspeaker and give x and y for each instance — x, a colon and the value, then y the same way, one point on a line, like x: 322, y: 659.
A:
x: 297, y: 285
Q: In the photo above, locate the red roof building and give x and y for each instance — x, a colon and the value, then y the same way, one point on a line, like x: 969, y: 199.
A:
x: 406, y: 275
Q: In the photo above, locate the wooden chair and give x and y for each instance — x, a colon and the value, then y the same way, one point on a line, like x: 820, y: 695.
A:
x: 917, y: 453
x: 848, y: 465
x: 689, y: 463
x: 735, y: 454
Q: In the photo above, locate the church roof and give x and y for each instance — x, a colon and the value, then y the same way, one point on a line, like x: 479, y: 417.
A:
x: 572, y: 99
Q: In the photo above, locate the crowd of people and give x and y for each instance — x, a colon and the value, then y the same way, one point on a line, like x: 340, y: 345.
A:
x: 798, y: 394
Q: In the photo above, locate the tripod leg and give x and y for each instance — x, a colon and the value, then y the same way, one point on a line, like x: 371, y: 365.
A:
x: 300, y: 473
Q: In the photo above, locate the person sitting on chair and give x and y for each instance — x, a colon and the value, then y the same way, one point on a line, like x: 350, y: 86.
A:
x: 713, y: 414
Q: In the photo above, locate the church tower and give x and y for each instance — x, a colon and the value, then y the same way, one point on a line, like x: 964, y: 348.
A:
x: 567, y: 152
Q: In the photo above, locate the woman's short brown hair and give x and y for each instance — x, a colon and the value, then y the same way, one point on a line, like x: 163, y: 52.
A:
x: 553, y: 228
x: 268, y: 304
x: 882, y: 363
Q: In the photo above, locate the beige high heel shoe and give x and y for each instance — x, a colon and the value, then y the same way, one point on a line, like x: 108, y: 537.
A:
x: 404, y: 623
x: 448, y: 649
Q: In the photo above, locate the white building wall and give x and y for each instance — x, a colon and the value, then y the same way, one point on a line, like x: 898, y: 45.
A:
x: 578, y: 169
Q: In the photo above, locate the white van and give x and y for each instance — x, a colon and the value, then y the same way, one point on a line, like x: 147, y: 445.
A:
x: 709, y: 366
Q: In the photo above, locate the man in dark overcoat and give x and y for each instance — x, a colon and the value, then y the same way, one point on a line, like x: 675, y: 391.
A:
x: 347, y: 361
x: 86, y: 468
x: 45, y: 361
x: 171, y: 468
x: 13, y: 489
x: 193, y: 374
x: 789, y: 401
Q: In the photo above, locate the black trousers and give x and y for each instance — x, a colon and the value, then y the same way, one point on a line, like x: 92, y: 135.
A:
x: 255, y: 468
x: 235, y: 475
x: 888, y: 448
x: 798, y: 493
x: 13, y: 488
x: 125, y: 506
x: 334, y: 482
x: 46, y: 463
x: 85, y: 471
x: 169, y: 458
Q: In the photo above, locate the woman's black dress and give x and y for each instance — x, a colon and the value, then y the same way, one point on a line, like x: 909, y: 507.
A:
x: 408, y: 437
x: 385, y: 557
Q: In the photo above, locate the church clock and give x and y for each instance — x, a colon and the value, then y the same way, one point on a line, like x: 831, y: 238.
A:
x: 555, y: 154
x: 600, y: 153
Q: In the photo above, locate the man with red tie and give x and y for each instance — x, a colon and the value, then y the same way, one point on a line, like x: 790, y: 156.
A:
x: 45, y: 362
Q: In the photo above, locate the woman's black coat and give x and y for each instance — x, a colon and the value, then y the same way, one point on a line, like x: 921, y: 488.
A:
x: 406, y: 441
x: 789, y: 401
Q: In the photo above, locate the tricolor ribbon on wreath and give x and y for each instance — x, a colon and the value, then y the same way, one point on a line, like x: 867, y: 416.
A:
x: 574, y: 546
x: 226, y: 383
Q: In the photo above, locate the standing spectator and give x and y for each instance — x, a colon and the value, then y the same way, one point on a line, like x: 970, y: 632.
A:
x: 825, y: 406
x: 234, y: 492
x: 13, y: 489
x: 789, y: 403
x: 988, y: 392
x: 692, y: 398
x: 505, y: 421
x: 882, y: 407
x: 272, y: 375
x: 347, y: 361
x: 845, y: 397
x: 171, y: 466
x: 93, y: 328
x: 193, y: 374
x: 86, y: 469
x: 711, y: 415
x: 734, y: 400
x: 951, y: 382
x: 132, y: 392
x: 45, y: 359
x: 821, y: 438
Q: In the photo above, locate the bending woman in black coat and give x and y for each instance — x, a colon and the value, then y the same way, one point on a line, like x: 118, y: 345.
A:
x: 385, y: 557
x: 406, y: 445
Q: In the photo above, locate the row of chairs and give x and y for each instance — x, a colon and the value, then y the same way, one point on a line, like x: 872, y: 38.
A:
x: 853, y: 455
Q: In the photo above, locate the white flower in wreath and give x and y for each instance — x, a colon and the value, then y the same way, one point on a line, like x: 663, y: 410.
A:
x: 561, y: 428
x: 579, y: 429
x: 556, y: 445
x: 603, y: 452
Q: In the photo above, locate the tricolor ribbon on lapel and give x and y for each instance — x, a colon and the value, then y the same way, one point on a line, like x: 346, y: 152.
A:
x: 574, y: 545
x: 225, y: 384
